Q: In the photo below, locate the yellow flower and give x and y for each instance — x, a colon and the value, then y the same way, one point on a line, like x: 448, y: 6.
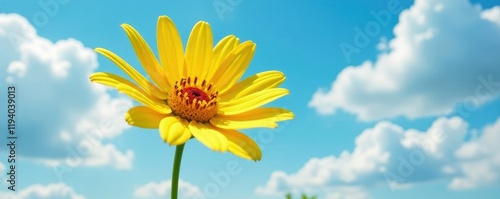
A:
x: 197, y: 93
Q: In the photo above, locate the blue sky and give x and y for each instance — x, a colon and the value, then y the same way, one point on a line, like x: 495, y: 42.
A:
x: 392, y: 99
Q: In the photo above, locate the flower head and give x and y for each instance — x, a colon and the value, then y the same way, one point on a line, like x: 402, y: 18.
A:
x: 197, y: 93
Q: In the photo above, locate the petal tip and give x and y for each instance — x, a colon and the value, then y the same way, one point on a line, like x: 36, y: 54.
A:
x: 201, y: 23
x: 164, y: 18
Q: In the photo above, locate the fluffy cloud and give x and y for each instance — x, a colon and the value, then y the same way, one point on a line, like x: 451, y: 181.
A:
x: 60, y: 113
x: 162, y: 189
x: 388, y: 154
x: 37, y: 191
x: 480, y: 160
x: 492, y: 15
x: 444, y: 54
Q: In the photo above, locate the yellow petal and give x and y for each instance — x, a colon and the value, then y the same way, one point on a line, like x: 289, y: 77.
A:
x: 252, y: 101
x: 144, y: 117
x: 136, y: 76
x: 139, y: 95
x: 174, y: 130
x: 259, y: 117
x: 199, y: 50
x: 252, y: 84
x: 109, y: 79
x: 221, y: 50
x: 170, y: 49
x: 146, y: 57
x: 113, y: 80
x: 208, y: 136
x: 241, y: 145
x: 233, y: 66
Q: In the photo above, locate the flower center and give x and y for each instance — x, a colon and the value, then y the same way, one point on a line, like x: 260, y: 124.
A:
x: 193, y: 100
x: 196, y: 93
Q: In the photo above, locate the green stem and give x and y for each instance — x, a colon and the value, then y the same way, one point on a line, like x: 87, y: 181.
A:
x: 175, y: 171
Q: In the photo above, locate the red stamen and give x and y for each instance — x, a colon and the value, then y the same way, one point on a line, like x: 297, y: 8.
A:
x: 195, y: 93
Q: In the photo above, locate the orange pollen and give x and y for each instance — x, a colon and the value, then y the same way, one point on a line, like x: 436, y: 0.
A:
x: 193, y: 100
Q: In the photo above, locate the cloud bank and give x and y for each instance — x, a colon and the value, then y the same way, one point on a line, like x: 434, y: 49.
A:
x: 38, y: 191
x: 444, y: 54
x: 389, y: 155
x: 62, y: 118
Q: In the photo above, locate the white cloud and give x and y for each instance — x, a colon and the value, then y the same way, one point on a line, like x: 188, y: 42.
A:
x: 2, y: 167
x: 91, y: 153
x: 56, y: 103
x: 445, y: 53
x: 347, y: 193
x: 38, y: 191
x: 17, y: 67
x: 492, y: 14
x: 389, y: 155
x: 162, y: 190
x: 383, y: 44
x: 479, y: 160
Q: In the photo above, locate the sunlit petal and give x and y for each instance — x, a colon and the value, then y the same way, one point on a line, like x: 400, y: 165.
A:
x: 174, y: 130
